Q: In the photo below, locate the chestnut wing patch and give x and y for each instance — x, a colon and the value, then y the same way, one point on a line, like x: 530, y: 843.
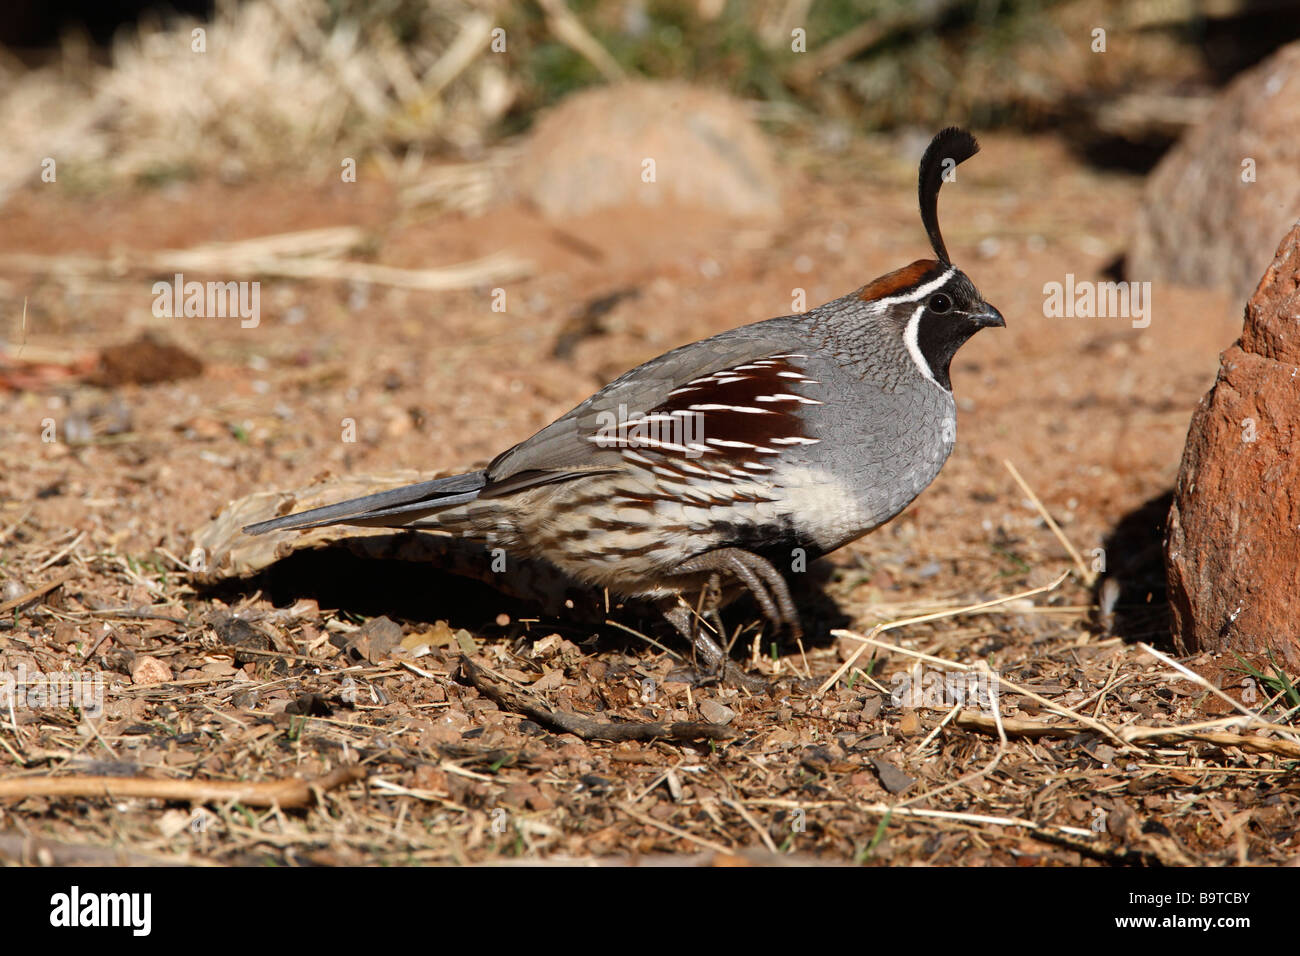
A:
x: 719, y: 427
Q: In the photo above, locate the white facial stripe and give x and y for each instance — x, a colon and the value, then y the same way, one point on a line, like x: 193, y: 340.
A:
x: 918, y: 293
x: 913, y: 347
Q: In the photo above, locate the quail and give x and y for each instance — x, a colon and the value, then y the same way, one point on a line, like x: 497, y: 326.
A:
x: 722, y: 460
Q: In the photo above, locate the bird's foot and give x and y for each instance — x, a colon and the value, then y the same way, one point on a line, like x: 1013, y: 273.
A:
x: 771, y: 592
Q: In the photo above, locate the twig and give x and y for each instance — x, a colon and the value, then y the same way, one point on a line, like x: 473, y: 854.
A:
x: 680, y: 834
x: 862, y: 37
x: 585, y: 727
x: 4, y: 535
x: 1033, y: 729
x: 956, y: 709
x: 140, y: 613
x: 1091, y: 722
x: 568, y: 29
x: 997, y: 679
x: 984, y: 771
x: 1262, y: 745
x: 1200, y: 681
x: 1088, y: 576
x: 427, y: 796
x: 33, y: 594
x: 290, y: 792
x: 308, y: 255
x: 649, y: 787
x: 51, y: 561
x: 645, y: 637
x: 753, y: 824
x: 469, y: 44
x: 975, y: 818
x: 891, y: 625
x: 498, y: 267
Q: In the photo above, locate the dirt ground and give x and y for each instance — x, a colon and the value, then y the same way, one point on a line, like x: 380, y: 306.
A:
x: 291, y: 673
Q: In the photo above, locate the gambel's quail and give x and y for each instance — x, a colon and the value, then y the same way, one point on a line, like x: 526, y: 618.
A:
x: 757, y: 448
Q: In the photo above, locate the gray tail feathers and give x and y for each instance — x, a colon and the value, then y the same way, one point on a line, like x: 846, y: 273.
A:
x: 398, y: 507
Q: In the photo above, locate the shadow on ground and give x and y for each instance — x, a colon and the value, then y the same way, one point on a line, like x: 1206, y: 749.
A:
x: 1135, y: 561
x: 338, y: 579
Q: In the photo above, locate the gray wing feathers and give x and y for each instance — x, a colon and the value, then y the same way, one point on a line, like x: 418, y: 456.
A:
x: 377, y: 508
x: 563, y: 444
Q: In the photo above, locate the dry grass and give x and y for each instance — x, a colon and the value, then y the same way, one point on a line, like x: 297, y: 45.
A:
x: 277, y: 86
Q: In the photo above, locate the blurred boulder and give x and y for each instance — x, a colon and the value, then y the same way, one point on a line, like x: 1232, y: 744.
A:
x: 594, y: 151
x: 1216, y: 201
x: 146, y: 360
x: 1232, y: 549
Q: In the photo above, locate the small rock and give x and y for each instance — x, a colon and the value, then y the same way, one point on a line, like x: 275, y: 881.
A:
x: 236, y: 632
x: 147, y: 671
x: 430, y: 778
x: 519, y: 795
x: 375, y: 640
x: 1104, y: 754
x: 594, y: 783
x: 145, y: 361
x: 891, y: 778
x: 716, y: 713
x: 173, y: 822
x: 552, y: 679
x: 465, y: 641
x: 674, y: 785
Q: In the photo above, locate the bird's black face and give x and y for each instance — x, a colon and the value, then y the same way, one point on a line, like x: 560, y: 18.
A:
x: 942, y: 318
x: 934, y: 308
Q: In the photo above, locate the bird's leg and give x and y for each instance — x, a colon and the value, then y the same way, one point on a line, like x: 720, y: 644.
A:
x: 686, y: 623
x: 711, y: 608
x: 761, y: 579
x: 758, y: 575
x: 708, y: 606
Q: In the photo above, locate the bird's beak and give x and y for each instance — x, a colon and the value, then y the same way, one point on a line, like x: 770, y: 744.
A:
x: 990, y: 318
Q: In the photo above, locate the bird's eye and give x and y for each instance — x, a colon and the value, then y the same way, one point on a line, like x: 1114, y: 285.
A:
x: 940, y: 303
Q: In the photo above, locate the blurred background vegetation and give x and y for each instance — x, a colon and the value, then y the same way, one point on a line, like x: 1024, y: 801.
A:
x: 120, y: 89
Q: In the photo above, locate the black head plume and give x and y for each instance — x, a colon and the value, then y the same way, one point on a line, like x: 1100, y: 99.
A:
x: 949, y: 148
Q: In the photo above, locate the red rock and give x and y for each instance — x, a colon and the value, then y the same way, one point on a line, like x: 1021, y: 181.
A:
x: 1232, y: 548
